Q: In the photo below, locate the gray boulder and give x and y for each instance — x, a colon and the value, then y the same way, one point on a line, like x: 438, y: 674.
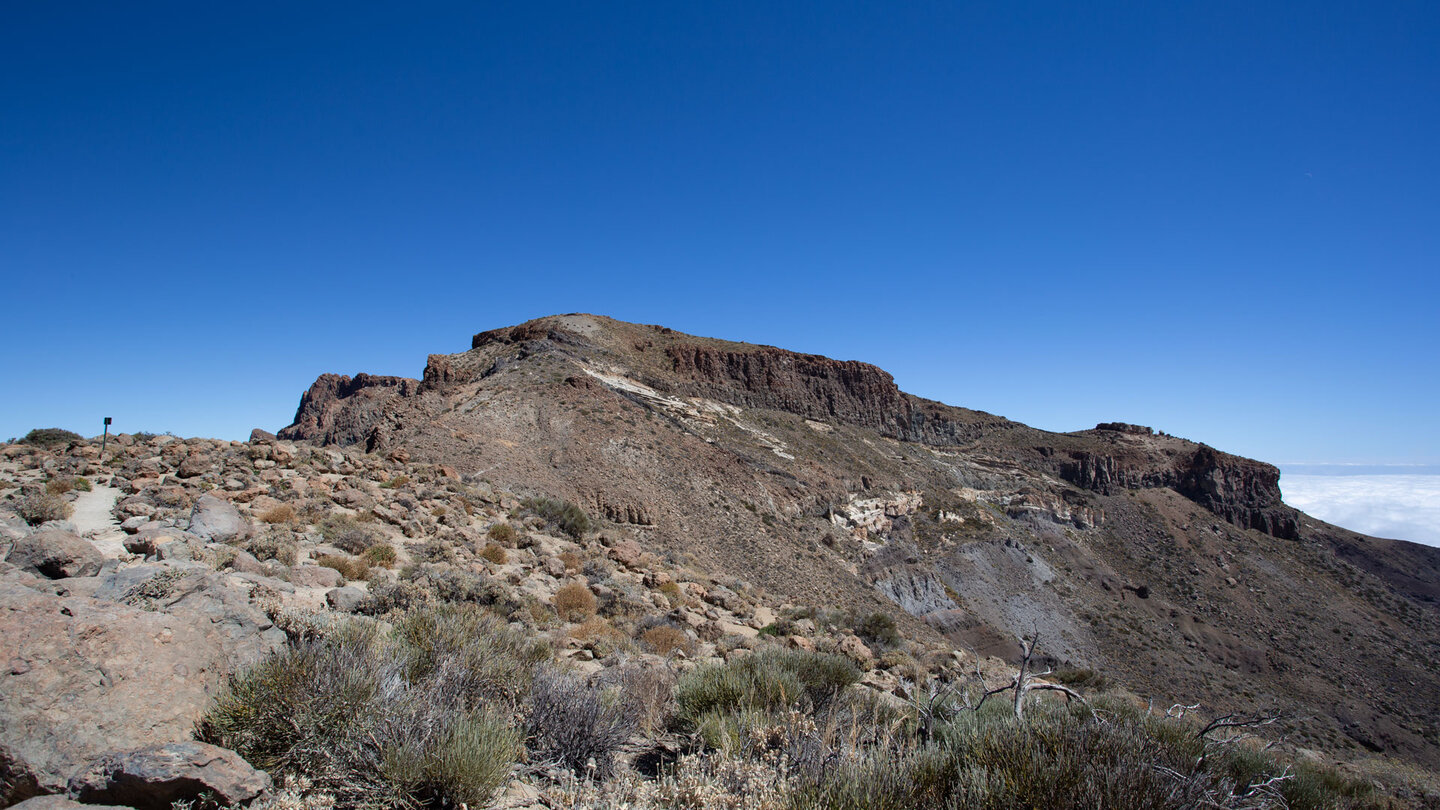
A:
x: 345, y: 600
x: 57, y: 802
x: 56, y: 554
x: 217, y: 520
x: 154, y: 778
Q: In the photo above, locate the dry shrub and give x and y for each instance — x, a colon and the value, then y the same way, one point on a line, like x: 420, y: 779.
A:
x: 284, y: 513
x: 572, y: 560
x: 352, y: 568
x: 51, y: 438
x: 601, y: 636
x: 664, y: 639
x: 82, y: 484
x: 495, y: 553
x: 348, y: 534
x: 577, y: 726
x: 40, y: 507
x: 574, y: 602
x: 503, y: 533
x: 59, y: 486
x: 381, y: 555
x: 274, y: 544
x: 672, y: 591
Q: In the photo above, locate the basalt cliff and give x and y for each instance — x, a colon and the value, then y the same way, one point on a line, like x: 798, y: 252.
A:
x: 1169, y: 565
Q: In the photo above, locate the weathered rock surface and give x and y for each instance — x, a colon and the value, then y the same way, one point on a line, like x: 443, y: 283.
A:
x: 156, y: 777
x: 217, y: 520
x: 86, y: 676
x: 56, y: 554
x: 55, y: 801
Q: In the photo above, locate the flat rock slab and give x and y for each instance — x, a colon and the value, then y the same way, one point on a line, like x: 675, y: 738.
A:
x: 57, y: 802
x: 154, y: 778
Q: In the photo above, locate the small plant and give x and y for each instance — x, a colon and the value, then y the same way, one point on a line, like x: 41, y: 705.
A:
x: 574, y: 602
x: 51, y: 438
x: 878, y: 628
x: 576, y: 726
x: 770, y: 680
x: 381, y: 555
x: 352, y: 568
x: 664, y: 639
x: 284, y: 513
x: 59, y: 486
x: 41, y: 507
x: 564, y: 515
x: 395, y: 482
x: 503, y: 533
x: 572, y: 561
x: 348, y: 534
x: 495, y: 553
x: 276, y: 545
x: 82, y: 484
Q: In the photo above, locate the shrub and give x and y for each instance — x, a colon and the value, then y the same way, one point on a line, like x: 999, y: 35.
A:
x: 59, y: 486
x: 602, y: 637
x: 373, y: 720
x: 574, y: 602
x: 572, y: 561
x: 878, y: 628
x: 770, y: 680
x: 51, y: 438
x: 1086, y: 678
x: 576, y: 726
x: 284, y: 513
x: 348, y: 534
x: 40, y: 507
x: 664, y: 639
x: 564, y: 515
x: 503, y: 533
x: 82, y: 484
x: 396, y: 482
x: 380, y: 554
x: 352, y: 568
x: 495, y: 553
x: 276, y: 545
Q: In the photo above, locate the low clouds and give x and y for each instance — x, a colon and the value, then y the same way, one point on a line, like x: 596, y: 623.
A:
x: 1405, y: 507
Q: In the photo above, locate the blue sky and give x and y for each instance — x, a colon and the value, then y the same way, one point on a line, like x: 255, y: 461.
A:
x: 1220, y: 219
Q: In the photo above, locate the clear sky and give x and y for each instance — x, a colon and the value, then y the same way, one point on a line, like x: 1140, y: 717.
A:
x: 1221, y: 219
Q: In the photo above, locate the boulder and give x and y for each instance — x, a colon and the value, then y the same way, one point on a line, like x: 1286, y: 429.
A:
x: 345, y: 600
x: 56, y: 554
x: 315, y: 576
x: 194, y: 465
x: 82, y: 676
x: 156, y: 777
x: 217, y: 520
x: 261, y: 436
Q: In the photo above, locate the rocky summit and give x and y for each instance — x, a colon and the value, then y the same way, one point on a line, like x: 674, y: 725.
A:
x: 589, y: 563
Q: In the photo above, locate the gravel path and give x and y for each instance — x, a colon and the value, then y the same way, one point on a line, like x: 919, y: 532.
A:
x: 93, y: 519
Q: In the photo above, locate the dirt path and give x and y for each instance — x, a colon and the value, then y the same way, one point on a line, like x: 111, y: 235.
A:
x: 93, y: 519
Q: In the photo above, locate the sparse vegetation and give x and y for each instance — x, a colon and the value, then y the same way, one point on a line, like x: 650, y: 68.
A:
x: 495, y: 553
x: 41, y: 507
x: 275, y: 544
x: 284, y: 513
x: 348, y: 534
x: 503, y: 533
x: 381, y: 555
x: 352, y: 568
x: 52, y: 438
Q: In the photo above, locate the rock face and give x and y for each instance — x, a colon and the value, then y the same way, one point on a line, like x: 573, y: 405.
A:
x: 87, y: 676
x: 156, y: 777
x: 56, y: 554
x: 343, y: 410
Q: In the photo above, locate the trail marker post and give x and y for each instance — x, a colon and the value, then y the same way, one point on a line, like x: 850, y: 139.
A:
x: 104, y: 438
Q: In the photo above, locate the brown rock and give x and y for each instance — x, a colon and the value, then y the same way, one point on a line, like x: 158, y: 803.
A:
x: 156, y: 777
x: 56, y: 554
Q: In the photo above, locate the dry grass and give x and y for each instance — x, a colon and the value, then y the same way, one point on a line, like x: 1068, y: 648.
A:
x: 495, y: 553
x: 572, y: 560
x: 352, y: 568
x: 664, y: 639
x: 574, y: 602
x: 284, y: 513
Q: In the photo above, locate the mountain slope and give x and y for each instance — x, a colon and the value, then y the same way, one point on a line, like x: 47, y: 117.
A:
x: 1171, y: 566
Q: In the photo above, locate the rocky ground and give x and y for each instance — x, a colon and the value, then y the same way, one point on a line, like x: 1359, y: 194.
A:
x: 172, y: 563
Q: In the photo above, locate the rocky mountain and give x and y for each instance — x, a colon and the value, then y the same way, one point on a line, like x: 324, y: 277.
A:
x: 1168, y: 565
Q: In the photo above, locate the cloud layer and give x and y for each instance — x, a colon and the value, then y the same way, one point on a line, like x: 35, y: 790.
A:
x: 1405, y: 507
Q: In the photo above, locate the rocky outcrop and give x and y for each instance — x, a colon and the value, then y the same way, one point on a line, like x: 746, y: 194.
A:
x: 1243, y: 491
x: 344, y: 410
x: 821, y: 388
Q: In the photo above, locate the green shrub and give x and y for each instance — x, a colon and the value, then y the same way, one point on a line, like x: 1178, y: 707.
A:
x: 878, y: 628
x: 82, y: 484
x: 40, y: 507
x: 51, y: 438
x: 383, y: 721
x: 380, y: 554
x: 770, y: 680
x: 503, y: 533
x: 564, y: 515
